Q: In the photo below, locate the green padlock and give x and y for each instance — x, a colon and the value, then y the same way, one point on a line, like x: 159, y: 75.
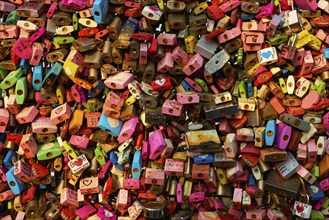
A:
x: 11, y: 79
x: 202, y: 83
x: 100, y: 156
x: 316, y: 215
x: 315, y: 171
x: 63, y: 39
x: 320, y: 85
x: 289, y: 67
x: 93, y: 104
x: 21, y: 90
x: 106, y: 91
x: 277, y: 40
x: 49, y: 151
x: 69, y: 149
x: 3, y: 74
x: 75, y: 21
x: 326, y: 203
x: 12, y: 18
x: 243, y: 89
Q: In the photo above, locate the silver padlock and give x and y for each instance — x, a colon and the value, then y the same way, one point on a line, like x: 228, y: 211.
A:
x: 302, y: 209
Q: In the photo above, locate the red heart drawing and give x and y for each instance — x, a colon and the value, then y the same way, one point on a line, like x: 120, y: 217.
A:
x: 299, y: 208
x: 78, y: 162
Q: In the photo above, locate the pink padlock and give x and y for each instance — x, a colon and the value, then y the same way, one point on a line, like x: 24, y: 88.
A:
x: 119, y: 80
x: 166, y: 63
x: 318, y: 204
x: 244, y: 134
x: 23, y: 171
x: 174, y: 167
x: 234, y: 172
x: 122, y: 199
x: 302, y: 153
x: 86, y: 211
x: 3, y: 174
x: 324, y: 184
x: 237, y: 198
x: 154, y: 176
x: 60, y: 114
x: 307, y: 64
x: 29, y: 145
x: 274, y: 214
x: 131, y: 184
x: 172, y: 107
x: 229, y: 5
x: 43, y: 125
x: 69, y: 198
x: 143, y: 53
x: 180, y: 56
x: 37, y: 34
x: 7, y: 7
x: 79, y: 141
x: 114, y: 101
x: 127, y: 129
x: 38, y: 99
x: 196, y: 197
x: 179, y: 193
x: 256, y: 214
x: 12, y: 105
x: 27, y: 115
x: 224, y: 126
x: 105, y: 214
x: 188, y: 98
x: 51, y: 10
x: 299, y: 58
x: 156, y: 143
x: 4, y: 119
x: 307, y: 5
x: 7, y: 195
x: 166, y: 39
x: 311, y: 150
x: 265, y: 10
x: 194, y: 64
x: 229, y: 35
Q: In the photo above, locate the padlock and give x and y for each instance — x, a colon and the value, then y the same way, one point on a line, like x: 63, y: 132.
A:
x: 300, y: 208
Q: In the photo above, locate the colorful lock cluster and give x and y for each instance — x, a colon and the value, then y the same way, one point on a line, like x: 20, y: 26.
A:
x: 176, y: 109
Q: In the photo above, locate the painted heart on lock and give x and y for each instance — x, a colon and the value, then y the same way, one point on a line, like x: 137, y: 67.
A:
x: 267, y: 54
x: 78, y: 140
x: 58, y: 110
x: 87, y: 182
x: 78, y: 162
x: 299, y: 208
x: 160, y: 82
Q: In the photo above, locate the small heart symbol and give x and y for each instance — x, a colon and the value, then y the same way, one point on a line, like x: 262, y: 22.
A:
x: 78, y: 139
x: 87, y: 182
x: 160, y: 82
x: 78, y: 162
x: 58, y: 110
x: 299, y: 208
x: 267, y: 54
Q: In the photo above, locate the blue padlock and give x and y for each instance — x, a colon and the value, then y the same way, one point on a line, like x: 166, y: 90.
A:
x: 24, y: 65
x: 187, y: 87
x: 100, y: 9
x: 97, y: 88
x: 114, y: 159
x: 203, y: 159
x: 326, y: 53
x: 9, y: 159
x: 136, y: 165
x: 52, y: 75
x: 15, y: 184
x: 316, y: 192
x: 128, y: 27
x: 270, y: 133
x: 37, y: 77
x: 111, y: 126
x: 250, y: 90
x: 246, y: 16
x: 251, y: 179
